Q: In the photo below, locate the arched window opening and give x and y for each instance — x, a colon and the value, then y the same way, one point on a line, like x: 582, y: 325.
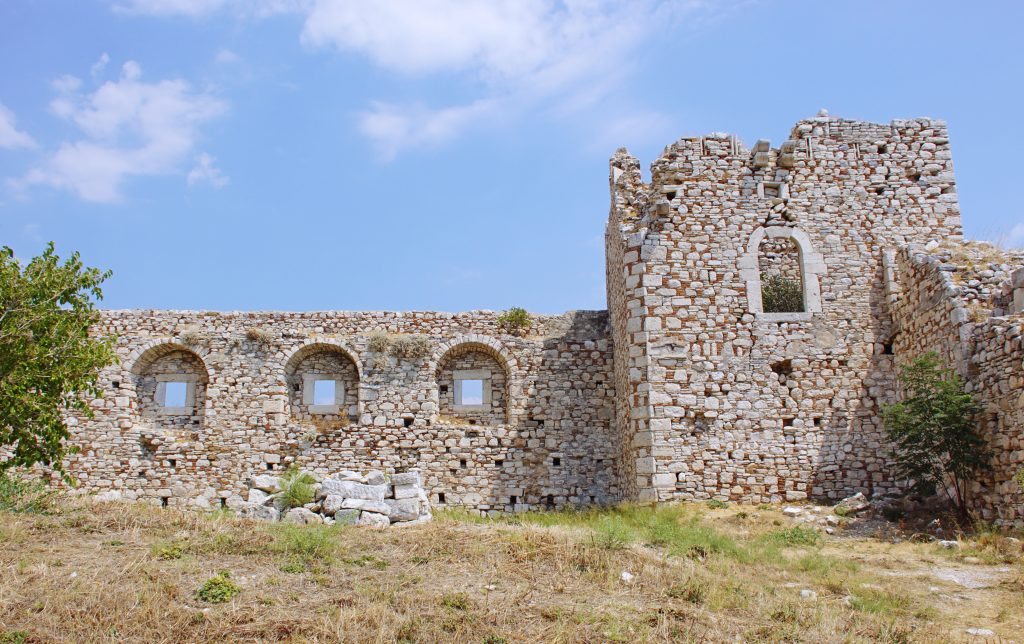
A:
x: 782, y: 280
x: 323, y: 383
x: 472, y: 385
x: 170, y: 382
x: 782, y: 271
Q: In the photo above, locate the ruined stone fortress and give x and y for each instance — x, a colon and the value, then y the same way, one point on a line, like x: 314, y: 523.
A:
x: 690, y: 386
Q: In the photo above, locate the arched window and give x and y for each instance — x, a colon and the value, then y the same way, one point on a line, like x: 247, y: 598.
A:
x: 170, y: 383
x: 323, y: 382
x: 782, y: 272
x: 472, y: 382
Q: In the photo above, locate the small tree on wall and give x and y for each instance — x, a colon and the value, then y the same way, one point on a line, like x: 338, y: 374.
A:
x: 781, y: 294
x: 934, y: 431
x: 48, y: 361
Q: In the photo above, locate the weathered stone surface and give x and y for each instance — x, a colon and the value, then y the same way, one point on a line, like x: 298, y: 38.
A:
x: 302, y: 516
x: 331, y: 504
x: 376, y: 477
x: 852, y: 504
x: 346, y: 517
x: 373, y: 520
x: 380, y: 507
x: 265, y: 483
x: 406, y: 478
x: 262, y: 512
x: 407, y: 491
x: 353, y: 490
x: 403, y: 509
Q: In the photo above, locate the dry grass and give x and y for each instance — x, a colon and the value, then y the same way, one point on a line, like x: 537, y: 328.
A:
x: 129, y: 573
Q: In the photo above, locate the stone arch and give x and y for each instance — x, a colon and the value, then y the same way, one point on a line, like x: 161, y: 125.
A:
x: 169, y: 380
x: 475, y: 358
x: 812, y: 266
x: 323, y: 360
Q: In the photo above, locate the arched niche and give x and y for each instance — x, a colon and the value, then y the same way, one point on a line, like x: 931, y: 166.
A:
x: 170, y: 381
x: 474, y: 382
x: 323, y: 383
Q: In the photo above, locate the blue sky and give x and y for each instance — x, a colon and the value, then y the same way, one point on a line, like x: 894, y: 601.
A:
x: 441, y: 154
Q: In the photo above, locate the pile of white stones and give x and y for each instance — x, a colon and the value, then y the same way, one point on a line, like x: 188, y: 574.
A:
x: 347, y: 498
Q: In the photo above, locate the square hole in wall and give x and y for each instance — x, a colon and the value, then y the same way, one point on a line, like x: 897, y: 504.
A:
x: 175, y: 394
x: 472, y: 392
x: 556, y: 461
x: 324, y: 392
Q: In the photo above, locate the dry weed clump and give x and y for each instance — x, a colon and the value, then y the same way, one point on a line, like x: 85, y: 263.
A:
x: 123, y: 572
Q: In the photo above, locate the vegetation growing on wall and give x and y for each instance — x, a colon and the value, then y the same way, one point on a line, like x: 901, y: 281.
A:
x: 934, y: 429
x: 515, y: 321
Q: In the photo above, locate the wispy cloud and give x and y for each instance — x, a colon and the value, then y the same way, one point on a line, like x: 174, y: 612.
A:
x: 10, y: 137
x: 129, y: 127
x: 201, y: 8
x: 525, y: 54
x: 526, y: 57
x: 206, y: 172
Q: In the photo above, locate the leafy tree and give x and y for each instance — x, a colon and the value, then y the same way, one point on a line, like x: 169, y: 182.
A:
x: 48, y: 361
x: 934, y: 430
x: 781, y: 294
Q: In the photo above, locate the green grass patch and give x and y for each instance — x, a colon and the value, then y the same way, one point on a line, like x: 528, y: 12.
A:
x: 19, y: 494
x: 796, y: 536
x: 310, y: 543
x: 218, y: 589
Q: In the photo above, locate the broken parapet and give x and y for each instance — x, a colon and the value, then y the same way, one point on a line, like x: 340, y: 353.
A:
x: 346, y: 498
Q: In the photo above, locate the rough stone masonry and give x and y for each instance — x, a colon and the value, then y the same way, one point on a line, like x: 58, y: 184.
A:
x: 693, y: 385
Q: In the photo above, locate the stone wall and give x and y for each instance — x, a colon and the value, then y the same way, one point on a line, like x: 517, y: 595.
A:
x: 551, y: 445
x: 726, y: 401
x: 705, y: 395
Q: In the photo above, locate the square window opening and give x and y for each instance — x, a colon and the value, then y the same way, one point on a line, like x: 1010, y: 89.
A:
x: 175, y: 394
x: 324, y: 392
x: 472, y: 392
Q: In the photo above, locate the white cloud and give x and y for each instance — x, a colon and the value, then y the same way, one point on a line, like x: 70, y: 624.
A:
x: 206, y: 172
x: 99, y: 66
x: 10, y: 137
x: 227, y: 57
x: 1016, y: 236
x: 526, y: 54
x: 130, y: 128
x: 393, y: 127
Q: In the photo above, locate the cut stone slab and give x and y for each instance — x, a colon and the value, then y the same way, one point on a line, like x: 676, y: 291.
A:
x: 405, y: 478
x: 380, y: 507
x: 375, y: 477
x: 407, y: 491
x: 331, y: 504
x: 403, y: 509
x: 353, y: 490
x: 265, y: 483
x: 852, y: 504
x: 346, y: 517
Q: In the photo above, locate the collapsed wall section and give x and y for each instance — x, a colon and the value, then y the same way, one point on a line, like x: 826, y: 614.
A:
x: 251, y: 393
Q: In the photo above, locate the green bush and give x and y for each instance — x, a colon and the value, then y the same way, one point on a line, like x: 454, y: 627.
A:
x: 1019, y: 478
x: 934, y: 431
x: 19, y: 494
x: 218, y: 589
x: 515, y: 321
x: 781, y: 294
x: 297, y: 487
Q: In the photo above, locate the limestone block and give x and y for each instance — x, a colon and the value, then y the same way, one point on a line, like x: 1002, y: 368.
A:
x: 266, y: 483
x: 302, y: 516
x: 406, y: 478
x: 403, y: 509
x: 407, y: 491
x: 353, y: 490
x: 373, y: 520
x: 379, y: 507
